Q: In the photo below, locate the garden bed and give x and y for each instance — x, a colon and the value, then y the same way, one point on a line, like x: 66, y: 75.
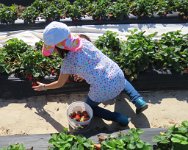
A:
x: 171, y: 19
x: 40, y: 141
x: 148, y: 81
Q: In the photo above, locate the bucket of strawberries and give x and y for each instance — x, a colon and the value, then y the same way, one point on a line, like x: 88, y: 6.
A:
x: 79, y: 114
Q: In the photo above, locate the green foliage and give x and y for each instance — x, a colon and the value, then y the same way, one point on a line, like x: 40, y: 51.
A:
x: 83, y: 6
x: 99, y: 9
x: 14, y: 147
x: 51, y: 13
x: 21, y: 59
x: 74, y: 12
x: 137, y: 53
x: 175, y: 136
x: 40, y: 5
x: 62, y: 5
x: 182, y: 7
x: 11, y: 53
x: 38, y: 45
x: 172, y: 52
x: 118, y: 10
x: 66, y: 141
x: 143, y: 8
x: 30, y: 14
x: 110, y: 45
x: 129, y: 141
x: 8, y: 15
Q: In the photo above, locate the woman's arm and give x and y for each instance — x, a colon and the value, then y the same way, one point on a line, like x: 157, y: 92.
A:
x: 53, y: 85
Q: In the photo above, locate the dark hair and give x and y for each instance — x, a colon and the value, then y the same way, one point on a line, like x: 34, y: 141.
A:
x: 62, y: 52
x: 84, y: 37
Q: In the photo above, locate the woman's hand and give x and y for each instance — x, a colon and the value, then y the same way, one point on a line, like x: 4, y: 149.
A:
x: 39, y: 87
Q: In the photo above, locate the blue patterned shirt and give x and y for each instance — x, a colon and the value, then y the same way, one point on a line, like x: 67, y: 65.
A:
x: 105, y: 77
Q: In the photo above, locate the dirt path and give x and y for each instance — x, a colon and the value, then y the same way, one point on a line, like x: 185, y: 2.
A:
x: 47, y: 114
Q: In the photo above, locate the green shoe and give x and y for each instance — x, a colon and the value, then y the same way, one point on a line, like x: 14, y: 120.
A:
x: 141, y: 105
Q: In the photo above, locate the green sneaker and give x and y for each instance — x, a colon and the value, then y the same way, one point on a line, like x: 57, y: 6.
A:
x: 141, y: 105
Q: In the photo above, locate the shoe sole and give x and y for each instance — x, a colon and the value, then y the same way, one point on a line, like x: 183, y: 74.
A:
x: 138, y: 111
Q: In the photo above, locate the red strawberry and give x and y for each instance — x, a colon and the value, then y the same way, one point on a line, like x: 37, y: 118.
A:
x: 77, y: 117
x: 72, y: 115
x: 53, y: 72
x: 97, y: 146
x: 85, y: 114
x: 34, y: 83
x: 29, y: 77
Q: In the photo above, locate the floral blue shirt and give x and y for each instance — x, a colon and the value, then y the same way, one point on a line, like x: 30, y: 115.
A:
x: 105, y: 77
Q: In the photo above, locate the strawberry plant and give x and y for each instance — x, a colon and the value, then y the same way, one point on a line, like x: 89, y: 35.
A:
x: 97, y: 9
x: 175, y: 138
x: 182, y: 7
x: 51, y: 13
x: 66, y: 141
x: 74, y: 12
x: 8, y: 15
x: 110, y: 44
x: 11, y: 55
x: 137, y: 53
x: 129, y: 141
x: 143, y: 8
x: 30, y: 14
x: 83, y: 6
x: 40, y: 5
x: 14, y: 147
x: 23, y: 61
x: 172, y: 52
x: 118, y: 10
x: 162, y: 8
x: 62, y: 6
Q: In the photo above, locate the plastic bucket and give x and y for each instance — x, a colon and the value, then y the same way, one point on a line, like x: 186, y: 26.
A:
x: 79, y: 106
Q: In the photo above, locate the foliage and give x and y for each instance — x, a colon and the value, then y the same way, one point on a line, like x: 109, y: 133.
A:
x: 40, y: 5
x: 137, y: 53
x: 66, y: 141
x: 62, y: 6
x: 177, y: 135
x: 99, y: 9
x: 74, y: 12
x: 8, y: 15
x: 83, y: 6
x: 182, y: 7
x: 143, y: 8
x: 52, y: 13
x: 11, y: 53
x: 110, y: 45
x: 14, y: 147
x: 129, y: 141
x: 21, y: 59
x: 30, y: 14
x: 172, y: 52
x: 118, y: 10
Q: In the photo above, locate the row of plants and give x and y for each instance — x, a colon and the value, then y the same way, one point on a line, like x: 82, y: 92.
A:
x: 138, y: 53
x: 174, y: 138
x: 114, y: 10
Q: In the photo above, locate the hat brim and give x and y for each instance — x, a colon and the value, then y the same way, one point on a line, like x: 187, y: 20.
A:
x: 47, y: 50
x: 71, y: 44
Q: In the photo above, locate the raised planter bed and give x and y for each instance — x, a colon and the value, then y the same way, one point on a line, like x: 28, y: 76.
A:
x: 169, y: 19
x: 148, y: 81
x: 40, y: 141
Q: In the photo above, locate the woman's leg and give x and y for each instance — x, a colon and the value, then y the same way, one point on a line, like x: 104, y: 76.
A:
x: 106, y: 114
x: 135, y: 97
